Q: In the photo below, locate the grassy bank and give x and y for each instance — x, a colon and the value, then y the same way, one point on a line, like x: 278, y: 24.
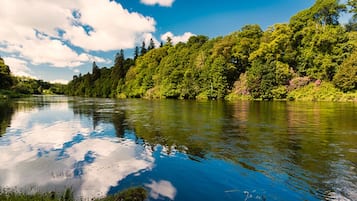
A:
x: 131, y: 194
x: 6, y: 94
x: 324, y: 91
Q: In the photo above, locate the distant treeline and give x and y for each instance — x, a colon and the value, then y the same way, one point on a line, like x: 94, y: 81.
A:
x: 11, y: 85
x: 312, y: 50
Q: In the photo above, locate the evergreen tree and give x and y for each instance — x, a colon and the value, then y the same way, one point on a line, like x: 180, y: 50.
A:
x: 95, y: 71
x: 143, y: 49
x: 151, y: 45
x: 136, y: 52
x: 118, y: 71
x: 169, y: 41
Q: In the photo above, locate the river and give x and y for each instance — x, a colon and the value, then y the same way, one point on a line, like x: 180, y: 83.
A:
x: 180, y: 150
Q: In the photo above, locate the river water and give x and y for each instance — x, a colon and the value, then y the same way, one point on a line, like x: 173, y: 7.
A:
x: 180, y: 150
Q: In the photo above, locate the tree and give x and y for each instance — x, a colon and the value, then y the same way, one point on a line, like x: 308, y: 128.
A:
x: 219, y: 80
x: 168, y: 41
x: 143, y: 49
x: 261, y: 79
x: 327, y: 12
x: 151, y: 45
x: 5, y: 77
x: 95, y: 71
x: 352, y: 8
x: 118, y: 70
x: 247, y: 41
x: 136, y: 53
x: 346, y: 76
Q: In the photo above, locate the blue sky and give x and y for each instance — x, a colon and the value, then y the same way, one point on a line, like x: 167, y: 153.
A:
x: 53, y: 40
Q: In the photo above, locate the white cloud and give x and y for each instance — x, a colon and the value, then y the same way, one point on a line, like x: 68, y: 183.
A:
x: 43, y: 32
x: 177, y: 39
x: 165, y: 3
x: 146, y: 38
x: 60, y: 81
x: 113, y: 27
x: 162, y: 188
x: 35, y: 143
x: 18, y: 67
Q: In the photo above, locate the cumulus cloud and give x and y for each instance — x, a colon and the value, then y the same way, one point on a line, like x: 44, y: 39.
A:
x: 165, y: 3
x: 48, y: 152
x: 177, y: 39
x: 162, y: 188
x: 19, y: 67
x: 45, y: 32
x: 109, y: 26
x: 147, y: 37
x: 60, y: 81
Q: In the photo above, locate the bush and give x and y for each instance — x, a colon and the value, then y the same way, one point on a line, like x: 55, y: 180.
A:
x: 280, y: 93
x: 346, y: 76
x: 324, y: 92
x: 298, y: 82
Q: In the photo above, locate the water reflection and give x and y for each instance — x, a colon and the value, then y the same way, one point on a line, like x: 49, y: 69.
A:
x: 6, y: 112
x: 182, y: 150
x: 52, y: 149
x: 162, y: 189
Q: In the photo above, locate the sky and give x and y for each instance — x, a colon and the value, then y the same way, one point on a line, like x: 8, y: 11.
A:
x: 53, y: 40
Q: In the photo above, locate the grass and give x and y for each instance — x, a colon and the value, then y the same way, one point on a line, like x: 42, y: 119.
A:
x: 324, y: 92
x: 131, y: 194
x: 6, y: 94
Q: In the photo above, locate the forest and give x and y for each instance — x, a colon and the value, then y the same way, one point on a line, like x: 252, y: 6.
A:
x: 312, y: 57
x: 16, y: 86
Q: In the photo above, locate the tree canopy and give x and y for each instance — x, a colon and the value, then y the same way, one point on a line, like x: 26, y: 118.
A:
x: 263, y: 64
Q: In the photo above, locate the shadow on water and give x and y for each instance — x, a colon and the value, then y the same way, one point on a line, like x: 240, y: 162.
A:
x: 6, y: 112
x: 229, y: 150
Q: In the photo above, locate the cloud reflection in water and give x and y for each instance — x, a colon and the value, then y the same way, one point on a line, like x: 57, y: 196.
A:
x: 162, y: 188
x: 52, y: 154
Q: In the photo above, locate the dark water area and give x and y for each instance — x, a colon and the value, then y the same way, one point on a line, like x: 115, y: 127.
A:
x: 180, y: 150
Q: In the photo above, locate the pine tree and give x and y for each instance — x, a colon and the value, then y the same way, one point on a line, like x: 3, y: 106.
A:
x: 151, y: 45
x: 95, y: 71
x: 118, y: 70
x: 169, y: 41
x: 136, y: 53
x: 143, y: 49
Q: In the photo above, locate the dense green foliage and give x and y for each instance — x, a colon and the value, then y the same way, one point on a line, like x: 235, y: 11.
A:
x: 261, y: 64
x: 5, y: 77
x: 13, y: 86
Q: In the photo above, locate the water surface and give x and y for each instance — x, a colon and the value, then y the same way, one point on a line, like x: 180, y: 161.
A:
x: 180, y: 150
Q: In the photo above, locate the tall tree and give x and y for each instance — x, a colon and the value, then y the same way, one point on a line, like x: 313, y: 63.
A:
x: 118, y: 71
x: 168, y: 41
x: 352, y: 8
x: 143, y: 49
x: 327, y: 12
x: 346, y: 76
x: 95, y: 71
x: 5, y: 77
x: 151, y: 45
x: 136, y: 52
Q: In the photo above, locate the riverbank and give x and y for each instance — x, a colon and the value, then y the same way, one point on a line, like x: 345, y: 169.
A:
x: 324, y: 91
x: 135, y: 193
x: 6, y: 94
